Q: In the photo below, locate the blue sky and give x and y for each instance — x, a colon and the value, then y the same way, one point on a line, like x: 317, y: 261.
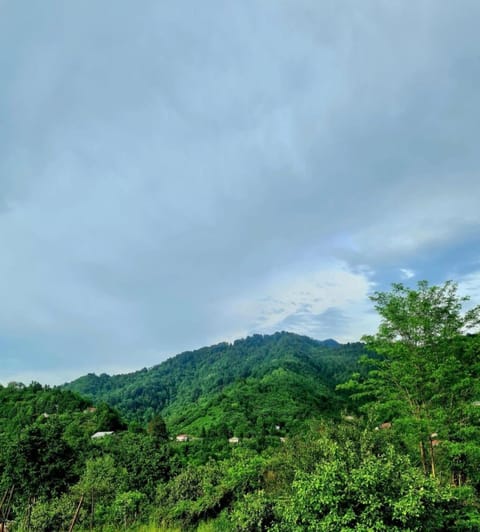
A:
x: 177, y: 174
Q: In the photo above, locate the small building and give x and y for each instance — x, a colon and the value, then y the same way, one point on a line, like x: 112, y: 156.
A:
x: 386, y: 425
x: 233, y: 439
x: 182, y: 437
x: 90, y: 410
x: 102, y: 434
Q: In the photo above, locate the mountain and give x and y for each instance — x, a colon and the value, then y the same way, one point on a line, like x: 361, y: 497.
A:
x: 262, y: 382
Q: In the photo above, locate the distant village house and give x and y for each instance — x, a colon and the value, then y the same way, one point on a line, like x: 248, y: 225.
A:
x: 102, y: 434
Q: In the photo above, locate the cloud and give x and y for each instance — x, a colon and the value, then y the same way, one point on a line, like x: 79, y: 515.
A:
x: 469, y: 285
x: 331, y: 322
x: 159, y: 164
x: 407, y: 273
x: 320, y: 303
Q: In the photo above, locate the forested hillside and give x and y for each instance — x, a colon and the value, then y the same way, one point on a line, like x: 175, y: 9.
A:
x: 249, y: 386
x: 395, y: 446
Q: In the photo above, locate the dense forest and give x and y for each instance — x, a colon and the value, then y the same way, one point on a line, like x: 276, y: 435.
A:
x: 213, y: 378
x: 277, y: 432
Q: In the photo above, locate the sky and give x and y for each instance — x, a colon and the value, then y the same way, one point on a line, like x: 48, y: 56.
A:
x: 175, y: 174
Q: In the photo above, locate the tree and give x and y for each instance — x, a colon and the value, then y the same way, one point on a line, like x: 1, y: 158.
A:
x: 108, y: 418
x: 157, y: 429
x: 41, y: 462
x: 145, y: 461
x: 366, y: 486
x: 425, y: 366
x: 127, y: 506
x: 100, y: 483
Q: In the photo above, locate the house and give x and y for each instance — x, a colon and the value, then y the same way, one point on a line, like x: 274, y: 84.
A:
x: 90, y: 410
x: 182, y: 437
x: 102, y: 434
x: 233, y: 439
x: 386, y: 425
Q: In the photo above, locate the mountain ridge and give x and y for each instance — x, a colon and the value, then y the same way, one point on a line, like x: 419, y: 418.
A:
x: 305, y: 369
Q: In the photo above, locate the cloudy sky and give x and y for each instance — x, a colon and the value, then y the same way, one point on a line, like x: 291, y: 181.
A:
x: 173, y: 174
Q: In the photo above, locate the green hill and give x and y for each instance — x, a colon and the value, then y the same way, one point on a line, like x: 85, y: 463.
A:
x: 408, y: 459
x: 249, y: 386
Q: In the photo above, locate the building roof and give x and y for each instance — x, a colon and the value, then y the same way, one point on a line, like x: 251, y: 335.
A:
x: 102, y: 434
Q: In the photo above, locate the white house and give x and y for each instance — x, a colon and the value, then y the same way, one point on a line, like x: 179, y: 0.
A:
x: 102, y: 434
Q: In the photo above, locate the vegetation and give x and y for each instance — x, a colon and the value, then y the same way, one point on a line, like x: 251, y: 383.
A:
x: 197, y: 376
x: 325, y: 444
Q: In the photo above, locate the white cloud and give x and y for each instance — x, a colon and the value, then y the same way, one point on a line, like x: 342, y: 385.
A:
x: 328, y: 301
x: 156, y: 161
x: 469, y: 285
x: 407, y: 273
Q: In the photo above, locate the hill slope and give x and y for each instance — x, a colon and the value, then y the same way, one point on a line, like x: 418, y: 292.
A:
x: 251, y: 380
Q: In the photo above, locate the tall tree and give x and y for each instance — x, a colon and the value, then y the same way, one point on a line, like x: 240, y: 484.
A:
x: 40, y: 462
x: 422, y: 371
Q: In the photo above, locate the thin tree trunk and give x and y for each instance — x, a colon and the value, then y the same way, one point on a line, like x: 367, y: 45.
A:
x: 92, y: 509
x: 432, y: 458
x: 75, y: 515
x: 1, y: 507
x: 6, y: 513
x: 3, y: 499
x: 422, y: 456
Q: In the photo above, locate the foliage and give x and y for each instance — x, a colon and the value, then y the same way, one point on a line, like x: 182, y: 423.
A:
x: 425, y: 377
x: 181, y: 381
x: 364, y: 487
x: 396, y: 447
x: 253, y: 512
x: 51, y: 514
x: 40, y: 462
